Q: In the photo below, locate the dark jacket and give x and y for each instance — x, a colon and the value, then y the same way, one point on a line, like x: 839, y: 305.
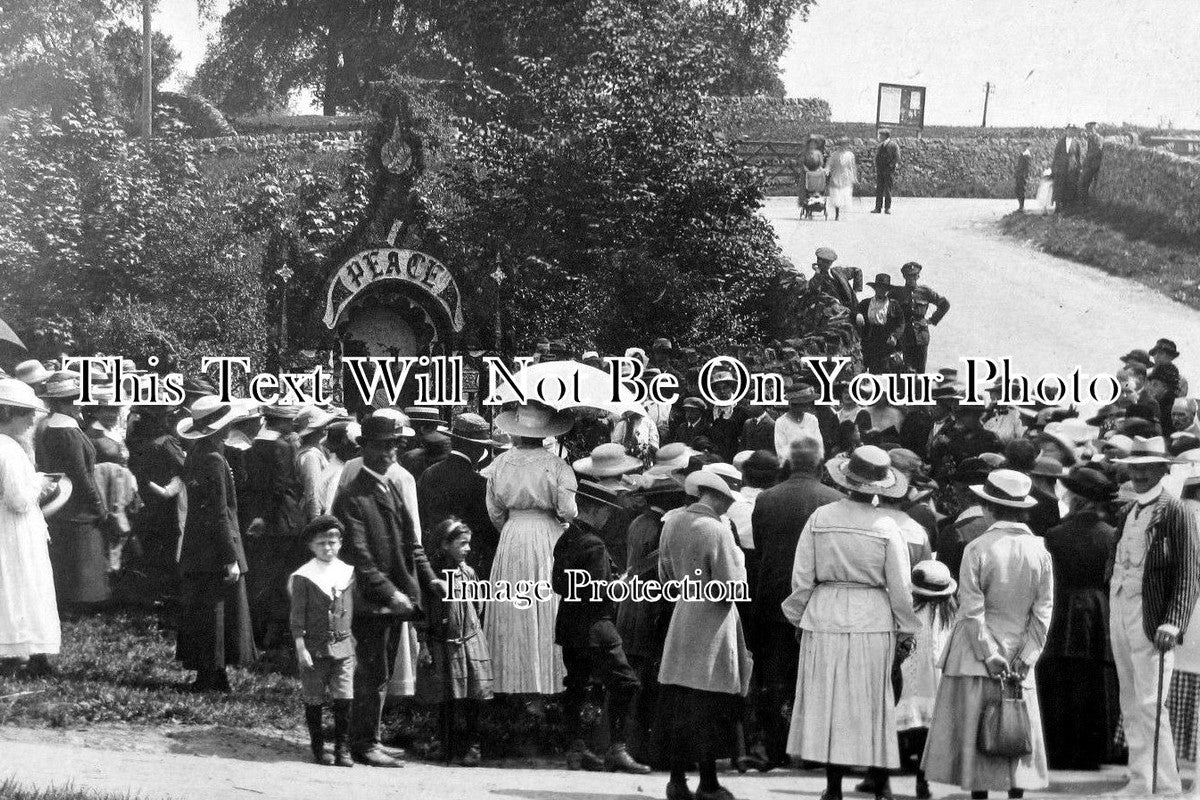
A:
x: 1171, y: 571
x: 272, y: 491
x: 1079, y: 547
x: 1044, y: 515
x: 725, y: 434
x: 887, y: 157
x: 453, y: 488
x: 780, y: 513
x: 758, y: 435
x: 878, y: 341
x: 61, y: 446
x: 323, y: 621
x: 211, y: 538
x: 640, y: 623
x: 382, y: 546
x: 1021, y: 173
x: 580, y: 548
x: 682, y: 432
x: 914, y: 304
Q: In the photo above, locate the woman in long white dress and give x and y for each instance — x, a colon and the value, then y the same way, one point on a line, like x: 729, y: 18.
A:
x: 530, y: 495
x: 29, y: 627
x: 843, y: 172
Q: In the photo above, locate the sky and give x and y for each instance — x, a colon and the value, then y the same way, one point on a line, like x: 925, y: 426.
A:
x: 1051, y: 61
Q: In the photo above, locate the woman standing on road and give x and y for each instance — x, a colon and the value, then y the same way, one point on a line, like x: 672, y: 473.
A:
x: 1005, y: 594
x: 852, y: 599
x: 843, y: 174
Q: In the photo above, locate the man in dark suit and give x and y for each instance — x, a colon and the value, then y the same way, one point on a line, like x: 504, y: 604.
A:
x: 694, y: 423
x: 780, y: 513
x: 887, y: 158
x: 1066, y: 169
x: 879, y: 322
x: 453, y: 487
x: 831, y: 281
x: 1153, y: 586
x: 1091, y: 160
x: 914, y: 300
x: 725, y: 422
x: 1021, y: 176
x: 758, y: 433
x: 392, y: 574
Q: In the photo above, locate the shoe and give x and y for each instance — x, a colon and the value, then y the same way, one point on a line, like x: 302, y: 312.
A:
x: 375, y: 757
x: 831, y: 795
x: 341, y: 734
x: 473, y: 757
x: 679, y: 791
x: 752, y: 761
x: 866, y: 786
x: 393, y: 752
x: 876, y: 211
x: 581, y: 757
x: 617, y: 759
x: 923, y: 792
x: 719, y: 793
x: 316, y: 736
x: 887, y: 211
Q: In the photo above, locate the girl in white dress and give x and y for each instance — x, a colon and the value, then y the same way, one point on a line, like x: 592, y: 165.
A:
x: 29, y: 628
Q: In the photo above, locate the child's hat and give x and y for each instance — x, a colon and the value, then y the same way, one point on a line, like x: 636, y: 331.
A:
x: 323, y: 524
x: 932, y: 579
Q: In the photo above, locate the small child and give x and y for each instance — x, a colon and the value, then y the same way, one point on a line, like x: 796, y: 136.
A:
x: 455, y: 663
x: 935, y: 604
x: 322, y: 593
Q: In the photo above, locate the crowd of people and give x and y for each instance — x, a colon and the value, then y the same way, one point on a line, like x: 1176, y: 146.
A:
x: 906, y: 567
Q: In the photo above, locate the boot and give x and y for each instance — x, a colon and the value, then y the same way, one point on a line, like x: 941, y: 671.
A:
x: 341, y: 734
x: 617, y: 759
x: 581, y: 757
x: 316, y: 735
x: 923, y: 792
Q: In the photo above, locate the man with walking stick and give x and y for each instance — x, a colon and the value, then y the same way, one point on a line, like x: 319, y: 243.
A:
x: 1155, y: 580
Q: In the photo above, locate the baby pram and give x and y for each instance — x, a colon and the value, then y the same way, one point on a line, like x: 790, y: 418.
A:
x: 814, y: 197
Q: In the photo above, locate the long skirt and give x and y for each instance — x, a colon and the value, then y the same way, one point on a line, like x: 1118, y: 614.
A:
x: 28, y: 612
x: 693, y: 725
x: 214, y: 624
x: 841, y: 197
x: 951, y: 754
x: 79, y: 556
x: 458, y: 671
x: 844, y: 710
x: 525, y: 659
x: 1081, y: 710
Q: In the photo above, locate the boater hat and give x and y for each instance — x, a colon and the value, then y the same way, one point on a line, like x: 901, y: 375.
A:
x: 606, y: 461
x: 421, y: 415
x: 63, y: 383
x: 704, y: 479
x: 470, y: 427
x: 1147, y: 450
x: 534, y: 421
x: 932, y: 579
x: 207, y: 416
x: 868, y: 470
x: 1006, y: 487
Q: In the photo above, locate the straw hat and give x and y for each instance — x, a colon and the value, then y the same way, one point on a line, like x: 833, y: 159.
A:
x: 61, y: 384
x: 31, y: 372
x: 423, y: 415
x: 18, y: 394
x: 59, y: 499
x: 469, y: 427
x: 312, y: 419
x: 1006, y: 487
x: 671, y: 458
x: 705, y: 479
x: 868, y: 470
x: 208, y: 415
x: 1147, y: 450
x: 607, y: 460
x: 932, y: 579
x: 730, y: 473
x: 534, y: 421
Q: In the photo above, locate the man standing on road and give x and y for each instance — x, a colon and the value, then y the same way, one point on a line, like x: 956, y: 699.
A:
x: 1066, y: 168
x: 887, y: 158
x: 1021, y: 176
x: 1155, y: 579
x: 914, y: 300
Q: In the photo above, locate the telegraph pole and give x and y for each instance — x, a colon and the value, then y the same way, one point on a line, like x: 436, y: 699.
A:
x: 987, y: 92
x: 147, y: 81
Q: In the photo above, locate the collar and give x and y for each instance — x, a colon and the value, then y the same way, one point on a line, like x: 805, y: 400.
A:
x: 461, y: 455
x: 58, y: 420
x: 381, y: 478
x: 970, y: 512
x: 268, y: 435
x: 328, y: 577
x: 703, y: 510
x: 765, y: 416
x: 1148, y: 497
x: 1015, y: 527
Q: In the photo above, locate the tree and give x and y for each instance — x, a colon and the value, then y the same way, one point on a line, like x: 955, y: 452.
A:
x: 122, y: 52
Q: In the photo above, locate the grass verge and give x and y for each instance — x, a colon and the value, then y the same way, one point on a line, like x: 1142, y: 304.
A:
x: 1171, y: 267
x: 11, y: 790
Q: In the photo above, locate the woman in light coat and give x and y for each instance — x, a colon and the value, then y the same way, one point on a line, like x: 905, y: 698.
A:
x: 843, y: 173
x: 706, y: 666
x: 852, y: 599
x: 1006, y: 595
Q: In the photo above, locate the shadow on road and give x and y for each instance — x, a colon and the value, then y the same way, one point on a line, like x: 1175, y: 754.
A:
x: 235, y: 743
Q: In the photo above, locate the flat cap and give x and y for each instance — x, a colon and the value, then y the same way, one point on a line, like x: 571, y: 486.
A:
x: 826, y: 254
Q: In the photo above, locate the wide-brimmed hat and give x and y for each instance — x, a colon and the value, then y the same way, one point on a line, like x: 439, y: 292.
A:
x: 971, y: 470
x: 1090, y: 484
x: 31, y: 372
x: 206, y: 415
x: 606, y: 461
x: 1006, y: 487
x: 312, y: 419
x: 704, y: 479
x: 469, y: 427
x: 54, y: 503
x: 18, y: 394
x: 1047, y: 467
x: 671, y: 458
x: 1138, y: 356
x: 868, y: 470
x: 732, y: 475
x: 534, y: 421
x: 881, y: 279
x: 63, y: 383
x: 423, y: 415
x: 384, y: 425
x: 1165, y: 346
x: 1110, y: 411
x: 932, y: 579
x: 1117, y: 442
x: 1147, y: 450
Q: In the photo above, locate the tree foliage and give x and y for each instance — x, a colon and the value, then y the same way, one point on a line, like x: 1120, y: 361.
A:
x: 603, y: 194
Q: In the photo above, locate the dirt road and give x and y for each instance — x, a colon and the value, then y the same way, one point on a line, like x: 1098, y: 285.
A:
x: 1007, y: 299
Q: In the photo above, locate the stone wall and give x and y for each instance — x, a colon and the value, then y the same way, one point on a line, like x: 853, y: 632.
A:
x: 1157, y: 185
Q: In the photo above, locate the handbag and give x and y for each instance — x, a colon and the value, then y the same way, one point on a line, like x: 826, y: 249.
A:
x: 1004, y: 729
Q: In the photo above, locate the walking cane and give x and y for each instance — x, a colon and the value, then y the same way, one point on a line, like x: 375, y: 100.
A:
x: 1157, y: 723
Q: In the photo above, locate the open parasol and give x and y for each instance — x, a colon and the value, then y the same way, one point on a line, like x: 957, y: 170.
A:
x: 568, y: 384
x: 10, y: 343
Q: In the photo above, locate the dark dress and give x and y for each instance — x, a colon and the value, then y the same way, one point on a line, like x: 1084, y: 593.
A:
x: 159, y: 460
x: 214, y: 619
x: 454, y: 488
x: 78, y: 552
x: 1077, y: 682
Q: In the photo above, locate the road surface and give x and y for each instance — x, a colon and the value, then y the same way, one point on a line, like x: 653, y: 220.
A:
x: 196, y: 763
x: 1007, y: 299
